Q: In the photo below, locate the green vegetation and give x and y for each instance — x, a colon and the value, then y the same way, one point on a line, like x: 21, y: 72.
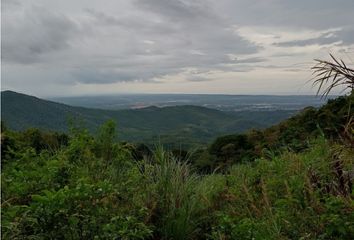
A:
x: 178, y: 127
x: 92, y: 188
x: 291, y: 181
x: 333, y: 120
x: 76, y: 186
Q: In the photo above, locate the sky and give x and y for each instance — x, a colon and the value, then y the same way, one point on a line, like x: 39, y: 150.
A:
x: 95, y: 47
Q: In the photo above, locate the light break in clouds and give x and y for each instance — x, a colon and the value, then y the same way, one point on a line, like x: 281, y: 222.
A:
x: 66, y: 47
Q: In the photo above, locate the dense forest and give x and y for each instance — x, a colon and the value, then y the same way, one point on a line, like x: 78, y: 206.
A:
x: 176, y: 126
x: 293, y: 180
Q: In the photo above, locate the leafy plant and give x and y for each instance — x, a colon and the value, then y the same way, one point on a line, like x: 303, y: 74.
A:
x: 332, y: 74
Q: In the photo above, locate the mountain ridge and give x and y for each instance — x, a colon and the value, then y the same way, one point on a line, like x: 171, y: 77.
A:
x: 196, y: 124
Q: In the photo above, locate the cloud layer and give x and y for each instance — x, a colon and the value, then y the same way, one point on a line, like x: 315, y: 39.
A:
x: 84, y: 47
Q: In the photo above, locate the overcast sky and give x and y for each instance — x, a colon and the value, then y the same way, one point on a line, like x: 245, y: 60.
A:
x: 78, y: 47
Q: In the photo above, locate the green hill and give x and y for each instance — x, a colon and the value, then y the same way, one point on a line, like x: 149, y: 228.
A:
x: 170, y: 125
x: 334, y: 120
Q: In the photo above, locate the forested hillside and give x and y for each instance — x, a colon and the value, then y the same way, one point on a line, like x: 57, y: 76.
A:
x: 179, y: 125
x: 333, y: 120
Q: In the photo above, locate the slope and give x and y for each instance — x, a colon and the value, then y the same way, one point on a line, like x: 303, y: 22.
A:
x: 177, y: 124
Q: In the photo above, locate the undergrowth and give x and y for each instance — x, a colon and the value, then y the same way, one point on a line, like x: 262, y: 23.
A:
x: 92, y: 188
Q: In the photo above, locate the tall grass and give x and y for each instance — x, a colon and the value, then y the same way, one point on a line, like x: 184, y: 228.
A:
x: 294, y: 196
x: 182, y: 197
x: 306, y: 195
x: 291, y: 196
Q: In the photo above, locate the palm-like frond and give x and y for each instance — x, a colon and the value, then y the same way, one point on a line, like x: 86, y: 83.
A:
x: 331, y: 74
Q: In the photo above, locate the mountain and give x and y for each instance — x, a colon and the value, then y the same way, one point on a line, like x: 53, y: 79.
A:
x: 174, y: 124
x: 217, y: 101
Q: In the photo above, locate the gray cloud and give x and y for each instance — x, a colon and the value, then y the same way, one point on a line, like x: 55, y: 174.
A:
x: 167, y: 47
x: 346, y: 35
x: 316, y: 14
x: 305, y: 42
x: 180, y: 10
x: 144, y: 41
x: 340, y: 37
x: 250, y: 60
x: 92, y: 76
x: 170, y: 45
x: 147, y: 25
x: 112, y: 75
x: 10, y: 3
x: 197, y: 79
x: 37, y: 32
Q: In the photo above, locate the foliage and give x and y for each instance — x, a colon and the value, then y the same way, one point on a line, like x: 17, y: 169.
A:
x: 294, y: 196
x: 333, y: 120
x: 75, y: 193
x: 291, y: 181
x: 175, y: 126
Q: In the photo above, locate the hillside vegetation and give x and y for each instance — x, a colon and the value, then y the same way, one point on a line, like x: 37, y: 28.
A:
x: 79, y: 186
x: 175, y: 126
x: 333, y: 120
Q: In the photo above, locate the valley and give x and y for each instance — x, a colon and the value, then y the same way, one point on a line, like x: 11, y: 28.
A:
x: 174, y: 125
